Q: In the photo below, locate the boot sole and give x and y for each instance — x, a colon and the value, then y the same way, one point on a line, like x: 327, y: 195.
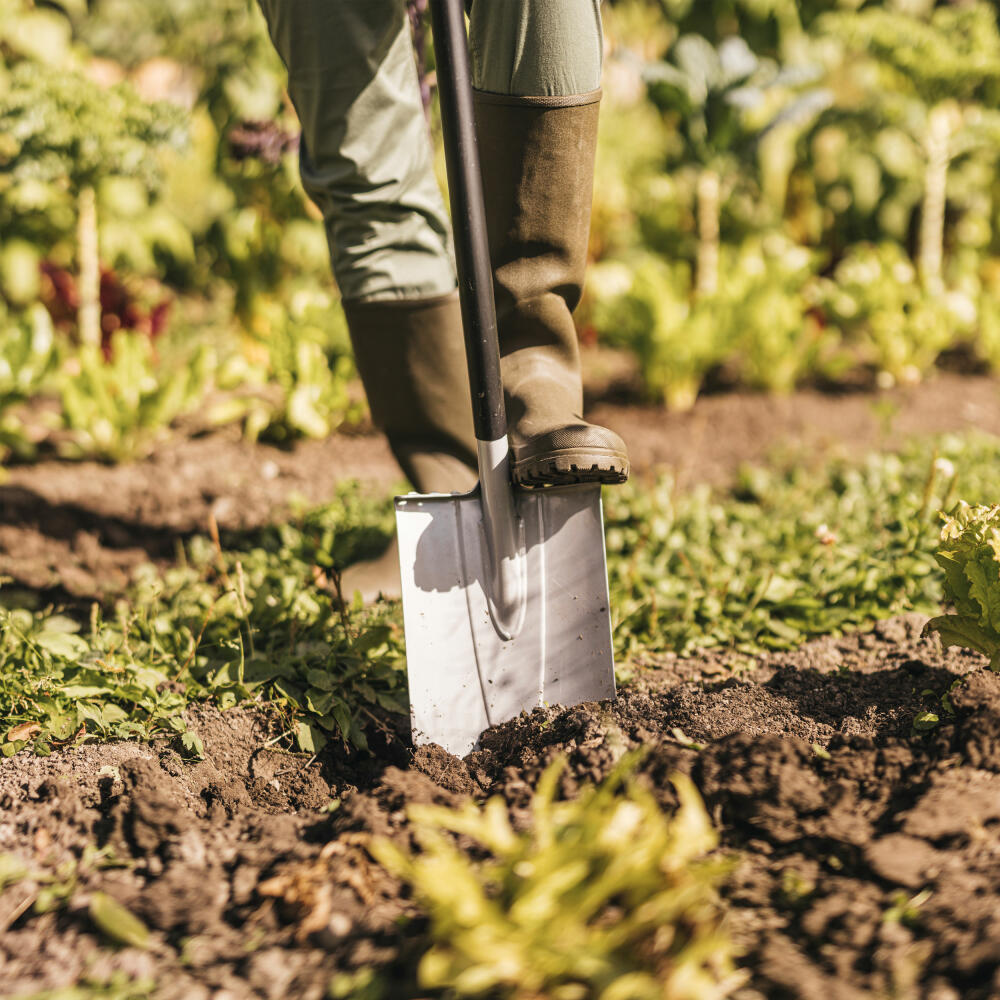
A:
x: 572, y: 467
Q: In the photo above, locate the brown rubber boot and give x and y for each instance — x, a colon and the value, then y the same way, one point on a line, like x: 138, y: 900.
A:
x: 537, y: 156
x: 411, y: 358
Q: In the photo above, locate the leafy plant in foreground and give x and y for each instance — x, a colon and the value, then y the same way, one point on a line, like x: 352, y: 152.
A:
x: 969, y: 554
x: 785, y: 556
x: 605, y: 897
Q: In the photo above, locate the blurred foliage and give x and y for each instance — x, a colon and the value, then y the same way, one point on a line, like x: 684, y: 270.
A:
x: 175, y: 115
x: 27, y: 360
x: 57, y: 127
x: 604, y: 896
x: 861, y: 136
x: 786, y: 193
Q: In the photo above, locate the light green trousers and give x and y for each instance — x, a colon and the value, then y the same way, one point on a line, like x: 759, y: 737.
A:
x: 366, y: 156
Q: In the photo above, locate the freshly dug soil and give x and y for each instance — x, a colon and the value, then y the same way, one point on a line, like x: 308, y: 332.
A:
x: 869, y: 858
x: 80, y: 529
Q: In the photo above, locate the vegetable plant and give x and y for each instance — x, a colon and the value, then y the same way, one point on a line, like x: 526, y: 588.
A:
x: 647, y: 307
x: 969, y: 554
x: 604, y: 897
x: 720, y: 97
x: 946, y: 58
x: 114, y: 409
x: 897, y: 326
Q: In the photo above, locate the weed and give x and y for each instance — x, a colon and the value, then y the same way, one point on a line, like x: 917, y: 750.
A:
x: 255, y: 622
x: 783, y: 557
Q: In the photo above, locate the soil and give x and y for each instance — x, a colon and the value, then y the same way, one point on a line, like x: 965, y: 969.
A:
x: 80, y: 529
x: 868, y: 857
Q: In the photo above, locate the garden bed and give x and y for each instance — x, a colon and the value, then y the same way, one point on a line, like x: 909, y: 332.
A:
x: 866, y: 852
x: 81, y: 529
x: 868, y: 857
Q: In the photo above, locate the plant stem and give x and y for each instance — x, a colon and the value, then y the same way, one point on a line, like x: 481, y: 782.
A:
x: 937, y: 144
x: 89, y: 310
x: 708, y: 206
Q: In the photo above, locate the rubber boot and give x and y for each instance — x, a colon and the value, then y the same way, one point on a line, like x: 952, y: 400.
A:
x: 537, y: 156
x: 411, y: 358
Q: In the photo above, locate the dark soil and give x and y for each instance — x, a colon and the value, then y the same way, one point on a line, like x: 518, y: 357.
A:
x: 837, y: 813
x: 80, y: 529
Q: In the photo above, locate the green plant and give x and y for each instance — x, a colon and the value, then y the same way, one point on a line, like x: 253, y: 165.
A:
x: 115, y: 408
x: 969, y: 554
x: 604, y: 897
x: 308, y: 359
x: 898, y: 326
x: 646, y: 307
x: 788, y: 554
x: 759, y: 323
x: 28, y: 358
x: 948, y: 59
x: 775, y: 339
x: 260, y: 619
x: 723, y: 99
x: 62, y: 129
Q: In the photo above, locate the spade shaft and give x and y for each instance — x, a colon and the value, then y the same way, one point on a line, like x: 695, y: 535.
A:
x: 465, y: 185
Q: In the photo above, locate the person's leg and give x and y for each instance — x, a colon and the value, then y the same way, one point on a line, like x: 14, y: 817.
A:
x: 536, y: 71
x: 536, y: 48
x: 366, y: 157
x: 367, y: 162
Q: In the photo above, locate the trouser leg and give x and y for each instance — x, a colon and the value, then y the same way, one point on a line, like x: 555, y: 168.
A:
x: 367, y: 162
x: 366, y: 156
x: 536, y: 69
x: 535, y: 48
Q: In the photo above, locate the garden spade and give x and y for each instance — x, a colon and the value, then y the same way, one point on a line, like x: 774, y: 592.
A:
x: 505, y: 589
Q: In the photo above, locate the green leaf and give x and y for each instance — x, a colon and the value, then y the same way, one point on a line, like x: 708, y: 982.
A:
x: 62, y: 644
x: 319, y: 702
x: 371, y: 638
x: 117, y: 922
x: 309, y: 737
x: 322, y: 679
x: 85, y: 691
x: 192, y: 743
x: 961, y: 630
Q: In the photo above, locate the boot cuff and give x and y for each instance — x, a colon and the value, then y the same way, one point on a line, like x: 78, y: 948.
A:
x: 541, y: 102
